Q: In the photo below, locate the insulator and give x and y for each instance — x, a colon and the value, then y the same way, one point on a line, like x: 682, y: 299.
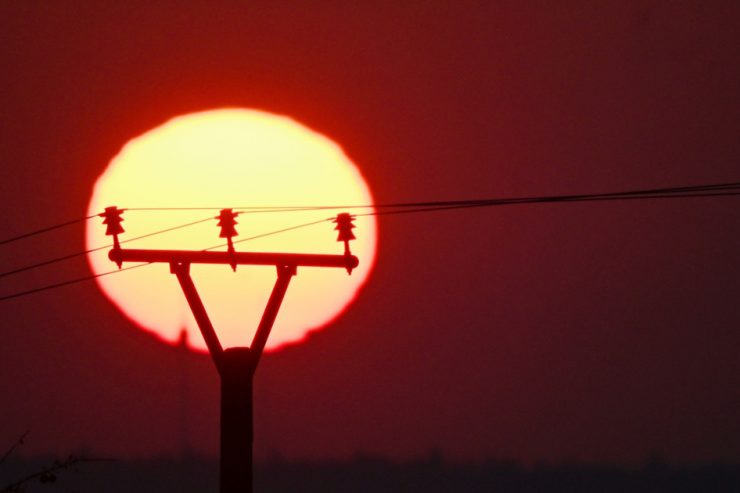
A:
x: 344, y: 222
x: 227, y: 222
x: 112, y: 219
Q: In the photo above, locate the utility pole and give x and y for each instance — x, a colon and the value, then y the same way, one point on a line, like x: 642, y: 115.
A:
x: 236, y: 366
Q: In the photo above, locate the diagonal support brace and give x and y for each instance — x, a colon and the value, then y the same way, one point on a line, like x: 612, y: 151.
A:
x: 284, y: 274
x: 182, y: 271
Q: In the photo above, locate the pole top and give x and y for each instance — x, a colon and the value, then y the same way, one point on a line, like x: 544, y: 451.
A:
x: 236, y: 362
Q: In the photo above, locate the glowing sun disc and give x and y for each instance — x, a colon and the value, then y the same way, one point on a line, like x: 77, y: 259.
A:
x: 231, y: 158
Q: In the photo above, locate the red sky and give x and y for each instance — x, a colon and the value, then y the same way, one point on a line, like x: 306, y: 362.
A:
x: 595, y: 332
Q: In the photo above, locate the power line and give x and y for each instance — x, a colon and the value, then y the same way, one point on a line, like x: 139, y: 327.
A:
x: 67, y: 283
x: 655, y: 193
x: 45, y: 230
x: 82, y: 219
x: 543, y: 200
x: 285, y: 230
x: 94, y: 276
x: 682, y: 192
x: 669, y: 193
x: 433, y: 206
x: 77, y: 254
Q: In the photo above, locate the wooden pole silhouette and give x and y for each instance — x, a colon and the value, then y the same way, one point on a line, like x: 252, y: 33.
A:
x: 236, y: 366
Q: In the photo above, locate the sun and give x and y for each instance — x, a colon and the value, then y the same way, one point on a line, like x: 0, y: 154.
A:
x: 231, y: 158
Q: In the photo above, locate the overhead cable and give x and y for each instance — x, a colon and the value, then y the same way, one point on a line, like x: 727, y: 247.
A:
x: 669, y: 192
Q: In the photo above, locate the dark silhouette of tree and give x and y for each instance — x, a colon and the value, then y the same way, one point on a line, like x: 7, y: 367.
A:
x: 47, y: 474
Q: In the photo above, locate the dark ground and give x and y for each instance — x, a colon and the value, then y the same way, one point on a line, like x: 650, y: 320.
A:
x: 365, y: 474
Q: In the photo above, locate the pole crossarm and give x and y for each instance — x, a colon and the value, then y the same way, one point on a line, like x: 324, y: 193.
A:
x: 237, y: 258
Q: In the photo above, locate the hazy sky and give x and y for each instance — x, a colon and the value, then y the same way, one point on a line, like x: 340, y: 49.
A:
x: 594, y: 332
